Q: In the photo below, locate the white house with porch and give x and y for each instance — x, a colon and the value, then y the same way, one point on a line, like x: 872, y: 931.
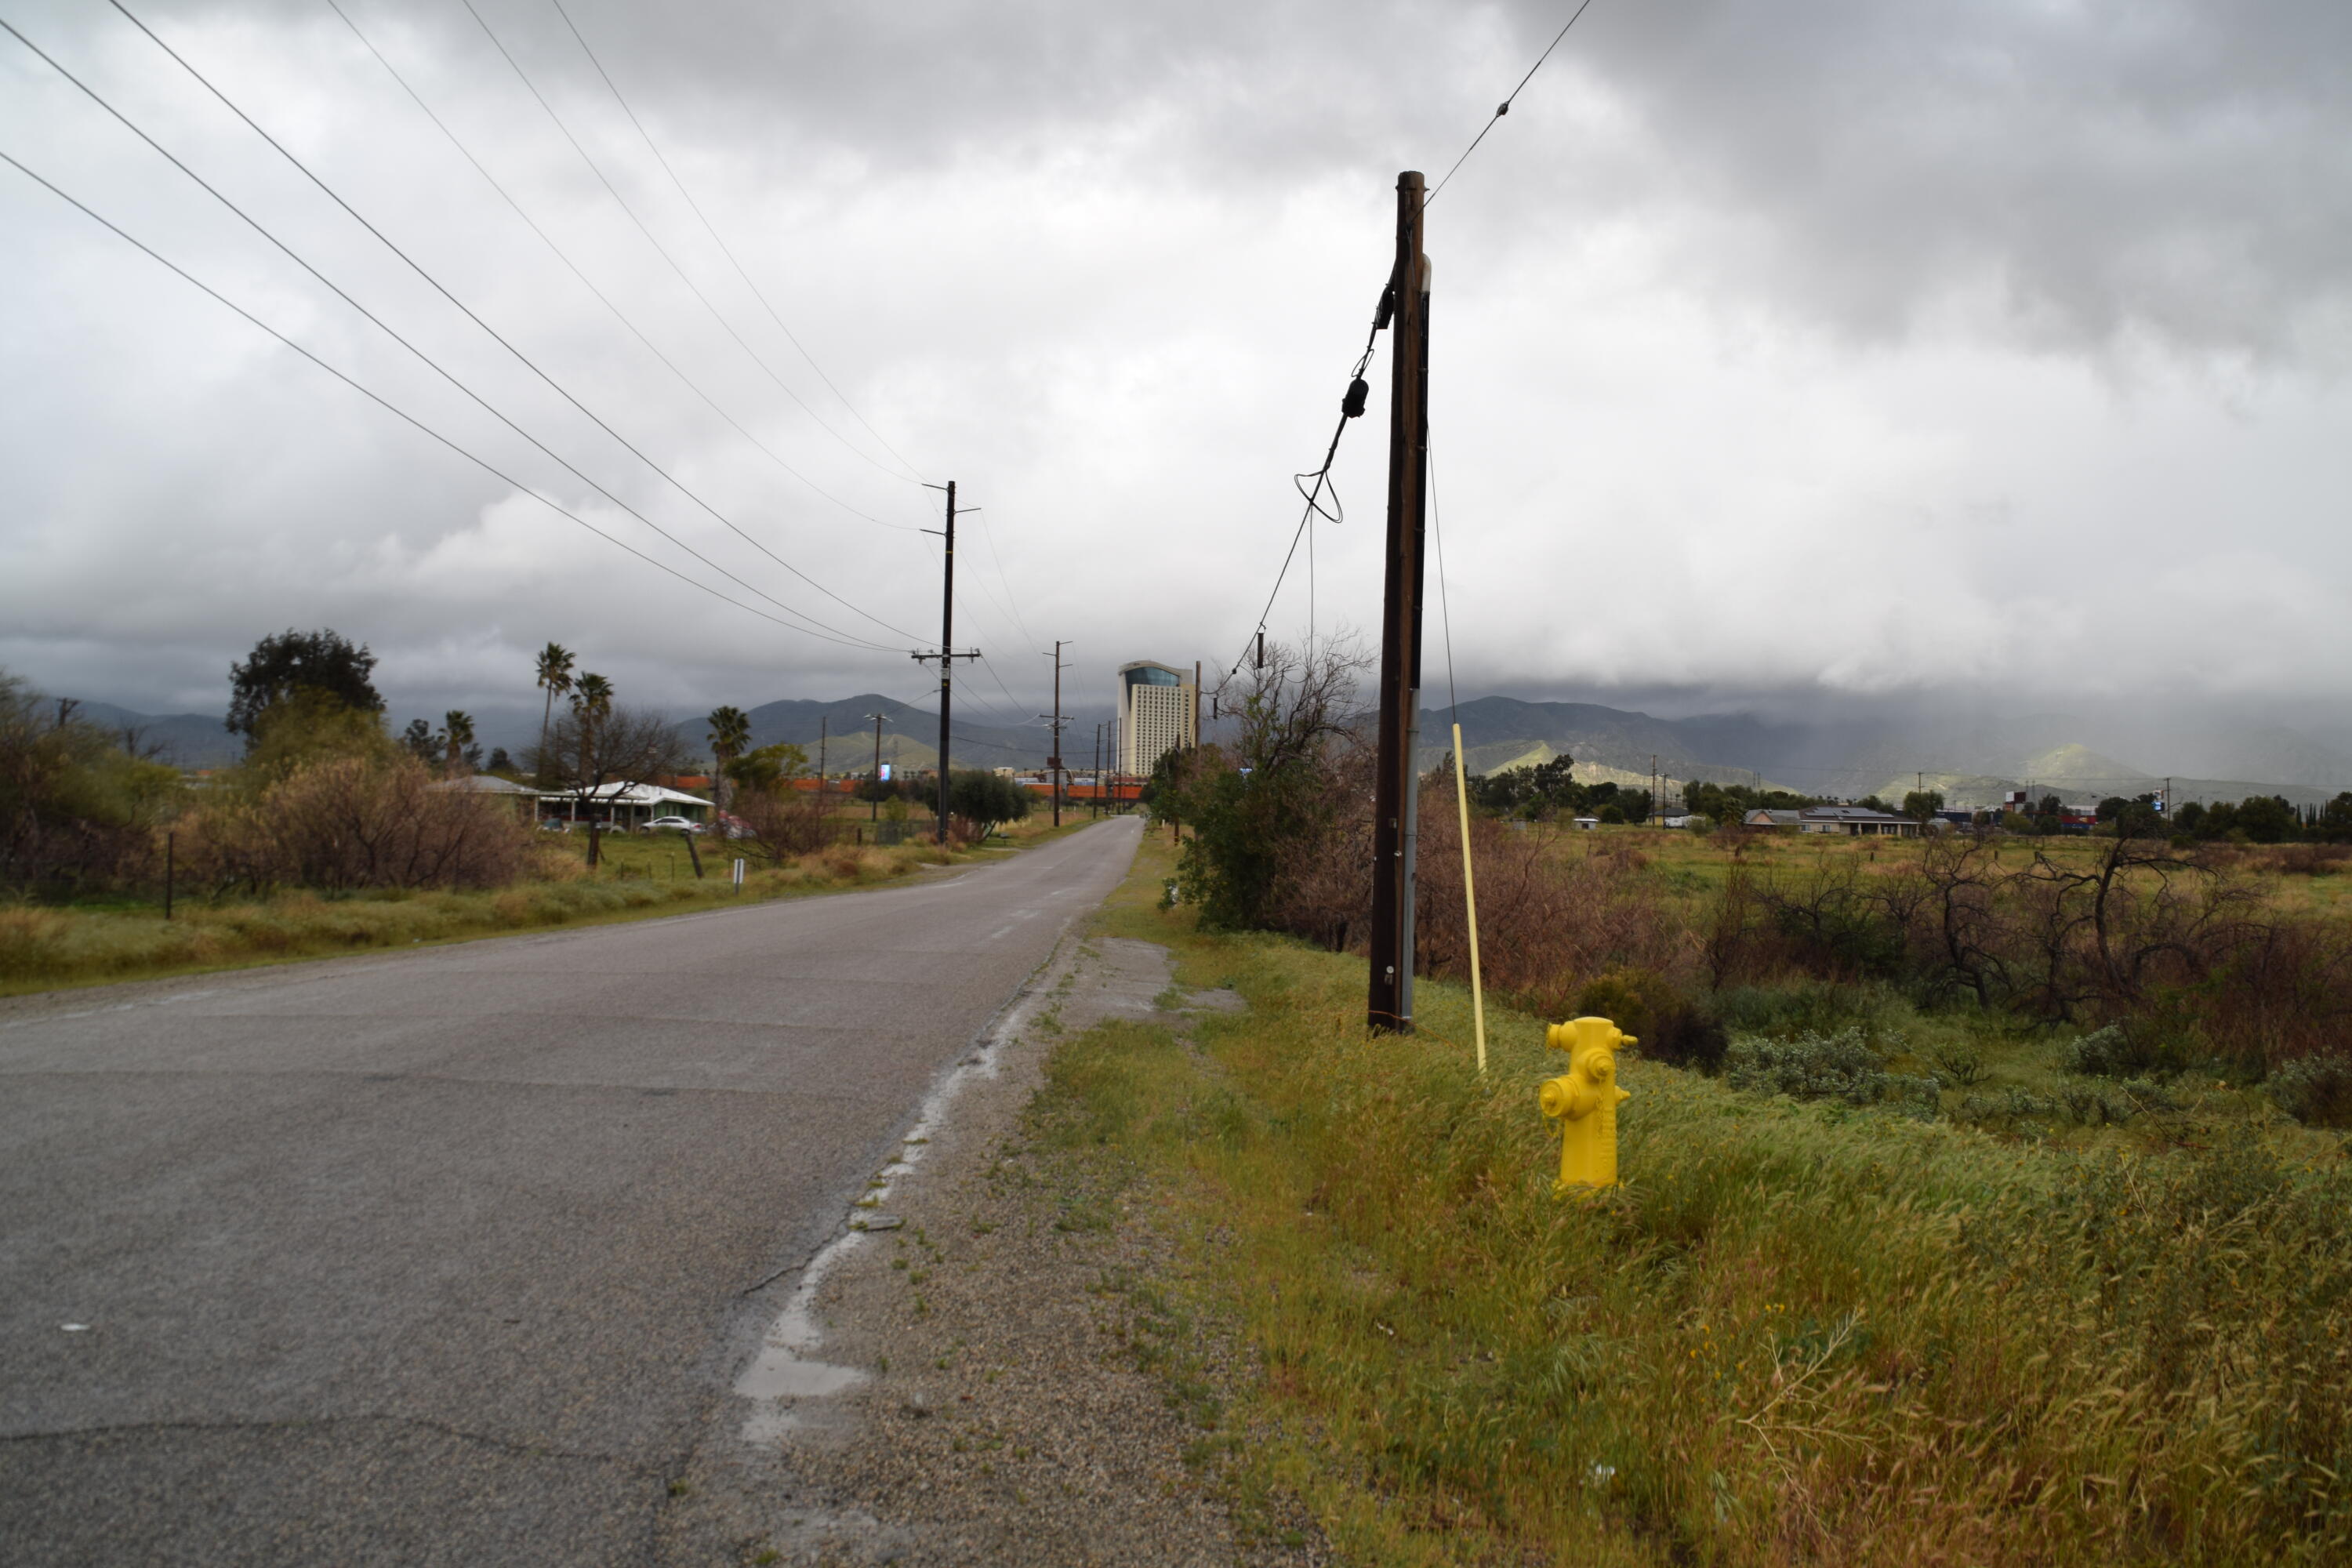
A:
x: 624, y: 805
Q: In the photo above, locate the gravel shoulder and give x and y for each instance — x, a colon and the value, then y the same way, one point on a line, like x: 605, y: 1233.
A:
x: 990, y: 1366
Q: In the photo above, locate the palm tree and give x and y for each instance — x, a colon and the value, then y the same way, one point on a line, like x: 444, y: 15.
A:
x: 731, y: 737
x: 592, y: 695
x: 592, y: 702
x: 555, y: 663
x: 459, y: 729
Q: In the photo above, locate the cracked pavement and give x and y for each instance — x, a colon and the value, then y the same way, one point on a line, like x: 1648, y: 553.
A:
x: 453, y: 1257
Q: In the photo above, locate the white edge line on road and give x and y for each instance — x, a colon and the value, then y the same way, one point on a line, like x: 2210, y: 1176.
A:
x: 783, y: 1372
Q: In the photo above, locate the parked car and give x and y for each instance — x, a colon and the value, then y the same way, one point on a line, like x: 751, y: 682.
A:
x: 672, y: 825
x: 554, y: 824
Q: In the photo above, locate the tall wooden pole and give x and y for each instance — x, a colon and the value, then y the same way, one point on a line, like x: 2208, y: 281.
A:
x: 1053, y: 763
x: 1391, y: 1006
x: 946, y: 661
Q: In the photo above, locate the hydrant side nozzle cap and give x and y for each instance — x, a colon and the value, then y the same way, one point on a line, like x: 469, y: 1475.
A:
x: 1631, y: 1041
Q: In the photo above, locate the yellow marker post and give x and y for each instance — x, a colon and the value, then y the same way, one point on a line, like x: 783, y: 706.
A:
x: 1470, y: 898
x: 1585, y: 1099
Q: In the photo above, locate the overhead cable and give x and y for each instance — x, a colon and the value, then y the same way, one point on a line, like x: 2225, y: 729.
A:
x: 663, y: 250
x: 588, y: 283
x: 1505, y: 107
x: 419, y: 353
x: 398, y: 412
x: 1351, y: 406
x: 496, y: 336
x: 727, y: 251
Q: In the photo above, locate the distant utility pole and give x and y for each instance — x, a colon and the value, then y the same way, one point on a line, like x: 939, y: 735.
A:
x: 875, y: 814
x: 947, y: 655
x: 1654, y: 802
x: 824, y: 724
x: 1097, y: 811
x: 1406, y: 308
x: 1053, y: 763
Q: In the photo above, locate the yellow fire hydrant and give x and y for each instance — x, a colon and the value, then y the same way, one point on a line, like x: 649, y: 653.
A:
x: 1584, y: 1100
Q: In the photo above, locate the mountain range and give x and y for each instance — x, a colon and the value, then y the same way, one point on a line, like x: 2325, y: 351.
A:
x: 1973, y: 763
x: 2080, y: 757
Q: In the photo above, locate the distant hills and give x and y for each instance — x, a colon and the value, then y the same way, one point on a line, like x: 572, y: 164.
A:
x: 183, y: 740
x: 1973, y: 763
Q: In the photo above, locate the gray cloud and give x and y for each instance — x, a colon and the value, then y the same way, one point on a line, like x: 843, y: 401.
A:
x: 1844, y: 348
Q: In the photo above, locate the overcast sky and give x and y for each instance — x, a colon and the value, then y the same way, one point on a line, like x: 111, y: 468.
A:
x: 1848, y: 347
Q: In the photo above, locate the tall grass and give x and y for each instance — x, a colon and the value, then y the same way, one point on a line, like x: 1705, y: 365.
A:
x: 43, y: 949
x: 1798, y: 1333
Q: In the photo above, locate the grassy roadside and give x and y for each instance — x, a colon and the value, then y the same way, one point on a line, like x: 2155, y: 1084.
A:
x: 1798, y: 1333
x: 55, y: 949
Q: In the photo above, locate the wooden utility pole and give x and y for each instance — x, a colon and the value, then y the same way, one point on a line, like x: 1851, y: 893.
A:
x: 947, y: 655
x: 824, y: 728
x: 1407, y: 309
x: 1098, y: 792
x: 874, y: 813
x: 1053, y: 763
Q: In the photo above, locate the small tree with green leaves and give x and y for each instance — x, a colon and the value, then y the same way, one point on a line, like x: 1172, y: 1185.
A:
x: 1922, y: 805
x: 323, y: 664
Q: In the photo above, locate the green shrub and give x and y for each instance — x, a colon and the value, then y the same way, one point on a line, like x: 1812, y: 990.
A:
x: 2314, y: 1089
x: 1959, y: 1066
x: 2123, y: 1050
x: 1823, y: 1067
x: 1669, y: 1025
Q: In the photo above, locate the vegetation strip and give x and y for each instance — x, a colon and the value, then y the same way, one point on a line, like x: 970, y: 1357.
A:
x: 1804, y: 1330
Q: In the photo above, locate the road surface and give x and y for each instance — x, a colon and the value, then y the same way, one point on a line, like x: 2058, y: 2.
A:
x: 443, y: 1256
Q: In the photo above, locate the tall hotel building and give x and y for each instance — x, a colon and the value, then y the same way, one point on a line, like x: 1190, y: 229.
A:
x: 1159, y: 708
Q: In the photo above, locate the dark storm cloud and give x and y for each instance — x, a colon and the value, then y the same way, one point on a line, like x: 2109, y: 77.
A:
x: 1978, y: 284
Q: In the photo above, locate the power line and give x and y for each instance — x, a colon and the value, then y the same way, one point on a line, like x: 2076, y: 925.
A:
x: 385, y: 403
x: 835, y: 633
x: 727, y: 251
x: 414, y: 266
x: 1505, y: 107
x: 618, y: 314
x: 1350, y: 407
x: 1013, y: 600
x: 660, y: 248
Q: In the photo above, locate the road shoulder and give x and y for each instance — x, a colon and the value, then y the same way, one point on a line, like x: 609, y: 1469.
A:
x: 999, y: 1369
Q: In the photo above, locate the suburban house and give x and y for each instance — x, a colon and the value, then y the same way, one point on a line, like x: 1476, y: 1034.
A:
x: 1854, y: 821
x: 624, y: 805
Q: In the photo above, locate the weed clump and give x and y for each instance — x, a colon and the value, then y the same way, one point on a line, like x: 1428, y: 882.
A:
x: 1669, y: 1025
x: 2316, y: 1090
x: 1840, y: 1067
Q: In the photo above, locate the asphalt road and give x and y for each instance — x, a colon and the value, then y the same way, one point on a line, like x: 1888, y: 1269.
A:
x: 441, y: 1256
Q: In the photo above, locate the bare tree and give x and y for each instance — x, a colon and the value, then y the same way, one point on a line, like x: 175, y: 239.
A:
x: 598, y: 751
x: 1265, y: 806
